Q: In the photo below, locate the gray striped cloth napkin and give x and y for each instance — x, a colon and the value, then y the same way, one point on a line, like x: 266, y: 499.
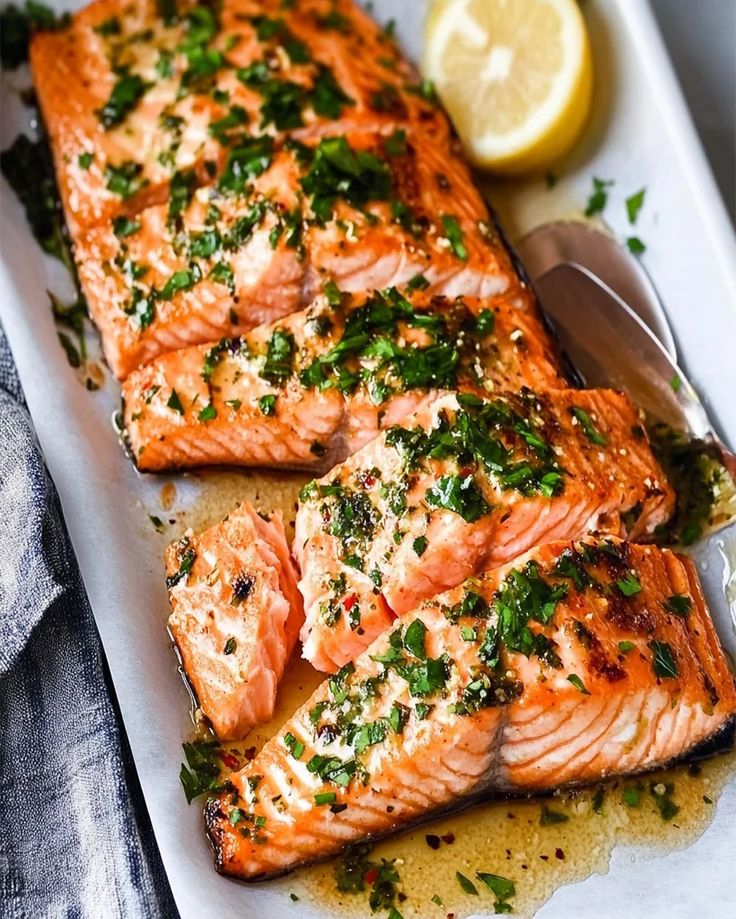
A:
x: 75, y: 838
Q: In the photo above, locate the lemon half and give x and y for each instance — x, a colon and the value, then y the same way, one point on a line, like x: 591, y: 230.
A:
x: 516, y: 77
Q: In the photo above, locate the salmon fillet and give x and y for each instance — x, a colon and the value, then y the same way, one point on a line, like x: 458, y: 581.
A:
x: 577, y: 662
x: 132, y: 99
x: 235, y: 617
x: 363, y: 210
x: 463, y: 486
x: 311, y: 389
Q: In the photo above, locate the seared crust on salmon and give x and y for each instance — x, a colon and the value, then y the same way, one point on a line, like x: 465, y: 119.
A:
x: 577, y: 662
x: 132, y: 98
x: 464, y: 485
x: 313, y: 388
x: 236, y: 613
x: 364, y: 210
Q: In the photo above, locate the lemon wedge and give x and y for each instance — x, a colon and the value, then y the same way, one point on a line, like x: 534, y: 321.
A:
x: 516, y: 77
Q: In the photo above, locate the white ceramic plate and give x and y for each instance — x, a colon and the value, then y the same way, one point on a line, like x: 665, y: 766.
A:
x: 640, y: 136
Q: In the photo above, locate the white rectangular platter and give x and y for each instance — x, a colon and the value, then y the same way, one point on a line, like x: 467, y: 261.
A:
x: 640, y: 136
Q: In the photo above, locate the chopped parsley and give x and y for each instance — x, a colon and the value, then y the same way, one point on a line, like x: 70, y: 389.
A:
x: 634, y: 204
x: 208, y: 413
x: 589, y: 429
x: 29, y: 169
x: 548, y: 817
x: 279, y: 357
x: 454, y: 234
x: 599, y: 197
x: 466, y: 884
x: 124, y: 180
x: 663, y: 661
x: 578, y: 684
x: 18, y: 25
x: 629, y: 585
x: 174, y: 402
x: 339, y: 171
x: 247, y: 160
x: 125, y: 94
x: 679, y: 604
x: 662, y: 794
x: 125, y: 226
x: 458, y: 494
x: 267, y: 405
x: 201, y: 772
x: 502, y: 888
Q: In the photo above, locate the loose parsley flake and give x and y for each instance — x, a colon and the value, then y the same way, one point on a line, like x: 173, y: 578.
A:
x: 466, y: 884
x: 629, y: 585
x: 589, y: 429
x: 267, y: 404
x: 663, y: 661
x: 578, y: 684
x: 679, y: 604
x: 548, y: 817
x: 124, y: 96
x: 599, y: 197
x: 174, y: 402
x: 454, y: 234
x: 634, y: 205
x: 459, y: 494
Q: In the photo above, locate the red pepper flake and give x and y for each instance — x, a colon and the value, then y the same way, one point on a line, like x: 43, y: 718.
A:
x: 349, y: 602
x: 560, y: 854
x: 545, y: 858
x: 371, y: 876
x: 229, y: 760
x: 249, y: 753
x: 432, y: 841
x: 448, y: 838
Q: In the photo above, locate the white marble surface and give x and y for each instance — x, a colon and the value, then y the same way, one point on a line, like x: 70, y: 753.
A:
x: 701, y: 41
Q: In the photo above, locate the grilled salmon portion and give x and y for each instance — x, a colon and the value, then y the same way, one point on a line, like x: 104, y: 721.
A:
x: 364, y: 210
x: 312, y: 388
x: 465, y: 485
x: 235, y: 617
x: 577, y: 662
x: 133, y: 98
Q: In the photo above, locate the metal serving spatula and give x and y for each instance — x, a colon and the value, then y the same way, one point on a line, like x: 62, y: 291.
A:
x: 577, y: 243
x: 611, y: 346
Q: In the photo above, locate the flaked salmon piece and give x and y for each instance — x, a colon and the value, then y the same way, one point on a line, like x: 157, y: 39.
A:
x: 365, y: 210
x: 236, y: 613
x: 132, y: 99
x: 465, y: 485
x: 577, y: 662
x: 311, y: 389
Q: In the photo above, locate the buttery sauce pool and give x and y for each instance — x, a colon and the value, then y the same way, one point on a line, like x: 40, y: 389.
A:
x: 539, y: 844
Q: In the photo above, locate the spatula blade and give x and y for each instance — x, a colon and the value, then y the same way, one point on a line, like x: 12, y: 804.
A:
x: 610, y: 346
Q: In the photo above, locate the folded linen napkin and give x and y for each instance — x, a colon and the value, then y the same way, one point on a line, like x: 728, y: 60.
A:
x: 75, y: 838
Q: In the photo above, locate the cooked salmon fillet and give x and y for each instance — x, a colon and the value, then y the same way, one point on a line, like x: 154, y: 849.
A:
x: 133, y: 97
x: 577, y: 662
x: 235, y: 617
x: 312, y: 388
x: 363, y: 210
x: 464, y: 485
